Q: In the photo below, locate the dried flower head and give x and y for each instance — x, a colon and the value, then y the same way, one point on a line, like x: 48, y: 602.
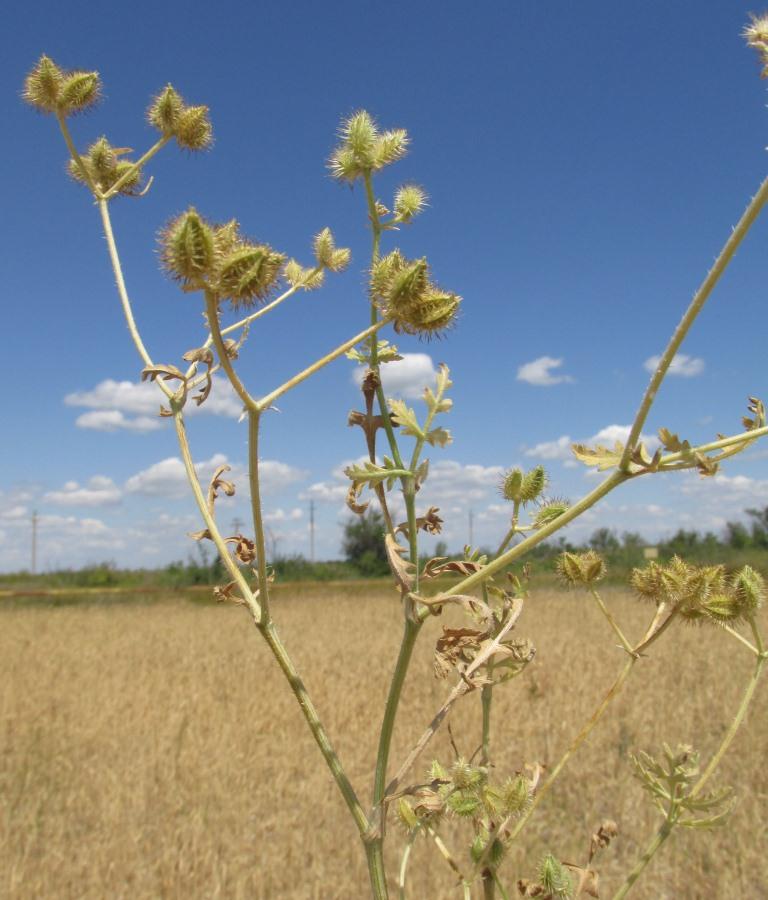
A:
x: 363, y: 149
x: 53, y: 90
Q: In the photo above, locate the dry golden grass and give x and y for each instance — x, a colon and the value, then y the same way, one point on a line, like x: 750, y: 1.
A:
x: 154, y: 750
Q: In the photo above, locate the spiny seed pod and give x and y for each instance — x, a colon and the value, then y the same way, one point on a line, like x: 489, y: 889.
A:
x: 165, y: 110
x: 408, y: 285
x: 749, y: 591
x: 193, y: 130
x: 52, y: 90
x: 187, y: 248
x: 549, y: 511
x: 410, y: 200
x: 248, y: 274
x: 554, y: 877
x: 721, y: 608
x: 226, y: 237
x: 433, y: 314
x: 79, y: 91
x: 359, y: 133
x: 463, y: 803
x: 382, y: 273
x: 512, y: 485
x: 42, y: 86
x: 517, y: 795
x: 580, y: 568
x: 340, y: 259
x: 756, y: 35
x: 648, y: 583
x: 363, y: 150
x: 533, y: 485
x: 328, y: 255
x: 101, y: 162
x: 406, y: 814
x: 390, y: 147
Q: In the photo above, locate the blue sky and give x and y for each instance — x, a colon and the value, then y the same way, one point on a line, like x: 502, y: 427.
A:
x: 584, y: 163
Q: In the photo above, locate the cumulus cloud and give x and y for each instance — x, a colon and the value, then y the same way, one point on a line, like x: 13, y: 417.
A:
x: 539, y: 372
x: 278, y: 516
x: 128, y: 405
x: 115, y: 420
x: 406, y: 377
x: 682, y: 364
x: 168, y: 478
x: 560, y: 448
x: 100, y: 491
x: 14, y: 512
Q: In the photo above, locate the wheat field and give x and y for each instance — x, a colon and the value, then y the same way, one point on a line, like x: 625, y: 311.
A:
x: 152, y: 750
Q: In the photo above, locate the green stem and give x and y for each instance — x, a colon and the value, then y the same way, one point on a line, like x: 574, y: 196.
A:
x: 258, y: 522
x: 700, y: 298
x: 210, y: 522
x: 272, y: 638
x: 661, y: 836
x: 212, y: 314
x: 117, y: 269
x: 375, y: 848
x: 734, y: 727
x: 404, y: 865
x: 486, y: 698
x: 465, y: 585
x: 611, y: 621
x: 269, y: 399
x: 500, y: 886
x: 155, y: 148
x: 78, y: 160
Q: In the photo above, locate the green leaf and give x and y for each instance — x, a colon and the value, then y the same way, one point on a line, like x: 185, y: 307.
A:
x: 405, y: 417
x: 439, y: 437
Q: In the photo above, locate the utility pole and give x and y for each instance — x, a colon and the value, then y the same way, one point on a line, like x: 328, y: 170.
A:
x: 236, y: 525
x: 34, y: 542
x: 311, y: 530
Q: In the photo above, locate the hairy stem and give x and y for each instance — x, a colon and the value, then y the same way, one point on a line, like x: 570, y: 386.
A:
x: 700, y: 298
x: 296, y: 684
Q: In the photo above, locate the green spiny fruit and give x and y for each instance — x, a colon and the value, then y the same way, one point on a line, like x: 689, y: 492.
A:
x: 165, y: 110
x: 187, y: 248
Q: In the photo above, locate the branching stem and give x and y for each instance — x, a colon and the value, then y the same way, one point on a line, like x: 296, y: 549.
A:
x: 700, y: 298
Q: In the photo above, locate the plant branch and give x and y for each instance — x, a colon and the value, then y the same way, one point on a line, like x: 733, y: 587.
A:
x: 611, y: 621
x: 258, y: 522
x: 296, y: 684
x: 78, y: 160
x: 269, y: 399
x: 210, y: 523
x: 700, y: 298
x: 129, y: 173
x: 462, y: 587
x: 212, y: 314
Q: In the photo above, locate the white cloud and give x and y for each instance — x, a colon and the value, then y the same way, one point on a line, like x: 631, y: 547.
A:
x: 114, y: 420
x: 133, y: 406
x: 449, y: 480
x: 406, y: 377
x: 14, y: 512
x: 561, y: 447
x: 682, y: 364
x: 168, y: 477
x: 100, y: 491
x: 539, y: 372
x: 282, y: 515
